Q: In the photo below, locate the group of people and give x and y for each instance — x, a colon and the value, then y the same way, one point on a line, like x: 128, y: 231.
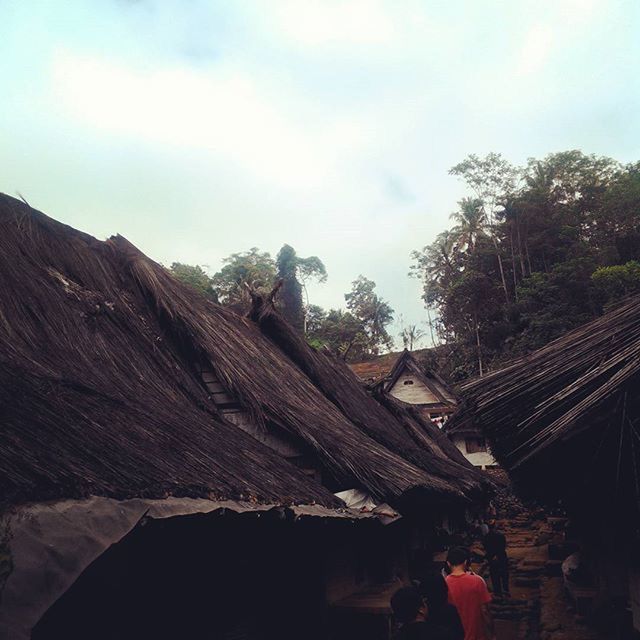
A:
x: 455, y: 607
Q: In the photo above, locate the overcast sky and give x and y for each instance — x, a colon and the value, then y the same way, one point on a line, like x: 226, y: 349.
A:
x: 198, y: 129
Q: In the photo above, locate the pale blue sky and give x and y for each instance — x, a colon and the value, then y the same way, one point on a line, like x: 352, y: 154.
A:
x: 197, y: 129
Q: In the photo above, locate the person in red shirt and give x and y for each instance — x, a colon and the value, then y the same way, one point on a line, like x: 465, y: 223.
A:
x: 469, y: 594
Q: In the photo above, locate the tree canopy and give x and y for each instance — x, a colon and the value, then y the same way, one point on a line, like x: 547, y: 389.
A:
x: 373, y: 312
x: 254, y: 268
x: 196, y: 277
x: 355, y: 334
x: 533, y: 252
x: 295, y: 272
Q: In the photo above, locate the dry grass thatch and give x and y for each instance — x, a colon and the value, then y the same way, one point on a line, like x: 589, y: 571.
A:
x: 393, y: 425
x: 100, y: 393
x: 565, y: 421
x: 95, y: 398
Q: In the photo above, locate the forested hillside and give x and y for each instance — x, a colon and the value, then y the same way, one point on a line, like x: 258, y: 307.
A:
x: 532, y: 252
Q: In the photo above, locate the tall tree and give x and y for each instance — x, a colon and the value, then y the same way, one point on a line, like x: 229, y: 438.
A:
x: 491, y: 178
x: 470, y: 222
x: 290, y: 297
x: 411, y: 336
x: 311, y: 268
x: 374, y: 313
x: 296, y: 273
x: 570, y: 229
x: 615, y: 228
x: 254, y: 268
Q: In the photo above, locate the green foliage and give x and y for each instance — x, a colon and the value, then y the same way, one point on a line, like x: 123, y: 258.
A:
x: 489, y: 178
x: 340, y: 332
x: 351, y: 336
x: 196, y: 277
x: 617, y: 281
x: 253, y: 268
x: 311, y: 268
x: 295, y: 273
x: 411, y: 336
x: 357, y: 333
x: 533, y: 253
x: 290, y: 297
x: 550, y: 304
x: 316, y: 316
x: 373, y: 312
x: 615, y: 230
x: 471, y: 222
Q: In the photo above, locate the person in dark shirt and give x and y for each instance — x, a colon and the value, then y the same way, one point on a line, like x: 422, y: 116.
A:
x: 411, y: 611
x: 443, y: 617
x: 495, y: 547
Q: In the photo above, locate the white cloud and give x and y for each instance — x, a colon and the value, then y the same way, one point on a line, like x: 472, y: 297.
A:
x: 578, y: 11
x: 226, y: 111
x: 203, y: 128
x: 536, y: 49
x: 335, y: 22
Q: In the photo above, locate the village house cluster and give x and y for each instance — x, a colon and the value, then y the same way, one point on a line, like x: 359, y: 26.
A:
x: 169, y: 466
x: 172, y: 469
x: 412, y: 382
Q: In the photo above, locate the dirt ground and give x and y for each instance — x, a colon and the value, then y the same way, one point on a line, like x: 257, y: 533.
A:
x: 538, y: 608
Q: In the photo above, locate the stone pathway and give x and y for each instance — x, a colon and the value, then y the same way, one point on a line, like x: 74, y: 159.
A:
x: 538, y: 608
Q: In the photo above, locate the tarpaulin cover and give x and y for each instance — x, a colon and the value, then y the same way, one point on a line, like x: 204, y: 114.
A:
x: 48, y: 546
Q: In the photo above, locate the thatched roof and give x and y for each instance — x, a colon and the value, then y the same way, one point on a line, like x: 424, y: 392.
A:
x: 100, y: 394
x: 394, y: 425
x: 379, y: 368
x: 565, y: 421
x: 95, y: 396
x: 407, y: 363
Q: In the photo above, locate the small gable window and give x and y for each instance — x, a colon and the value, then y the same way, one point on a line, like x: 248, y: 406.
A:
x: 406, y: 382
x: 475, y: 445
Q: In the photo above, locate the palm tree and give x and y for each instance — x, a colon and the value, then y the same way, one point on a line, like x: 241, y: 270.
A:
x: 411, y: 335
x: 471, y: 222
x: 439, y: 259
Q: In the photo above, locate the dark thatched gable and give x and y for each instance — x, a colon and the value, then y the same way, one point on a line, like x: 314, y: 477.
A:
x: 95, y: 397
x: 565, y: 421
x: 393, y: 424
x: 100, y: 393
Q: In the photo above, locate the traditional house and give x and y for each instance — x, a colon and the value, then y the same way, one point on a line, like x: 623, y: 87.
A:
x: 170, y: 467
x: 412, y: 383
x: 565, y: 423
x: 472, y: 443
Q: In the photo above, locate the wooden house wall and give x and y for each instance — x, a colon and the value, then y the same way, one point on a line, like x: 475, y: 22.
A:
x: 481, y: 459
x: 411, y: 389
x: 272, y: 436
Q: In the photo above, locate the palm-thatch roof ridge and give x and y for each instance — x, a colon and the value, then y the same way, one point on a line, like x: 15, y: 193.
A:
x: 103, y: 345
x: 94, y: 400
x: 392, y: 424
x: 274, y: 390
x: 565, y: 420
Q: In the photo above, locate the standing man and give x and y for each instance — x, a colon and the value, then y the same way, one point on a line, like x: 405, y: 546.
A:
x: 469, y: 593
x: 495, y: 547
